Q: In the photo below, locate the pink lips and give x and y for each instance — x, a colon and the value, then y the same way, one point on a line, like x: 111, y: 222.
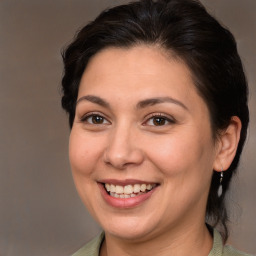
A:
x: 124, y: 202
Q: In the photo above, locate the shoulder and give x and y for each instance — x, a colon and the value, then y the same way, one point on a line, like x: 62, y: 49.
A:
x: 230, y: 251
x: 219, y: 249
x: 92, y: 248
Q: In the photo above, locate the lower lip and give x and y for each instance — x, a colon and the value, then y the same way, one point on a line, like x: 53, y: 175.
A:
x: 125, y: 202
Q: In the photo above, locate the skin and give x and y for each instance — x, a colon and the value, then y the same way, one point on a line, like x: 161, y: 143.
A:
x: 179, y: 154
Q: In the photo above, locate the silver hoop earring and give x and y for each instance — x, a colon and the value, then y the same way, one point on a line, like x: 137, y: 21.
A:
x: 220, y: 186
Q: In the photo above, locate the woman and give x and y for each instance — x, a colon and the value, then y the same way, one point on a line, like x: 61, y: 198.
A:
x: 157, y: 104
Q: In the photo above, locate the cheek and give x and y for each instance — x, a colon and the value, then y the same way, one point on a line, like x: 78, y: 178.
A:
x: 185, y: 164
x: 83, y: 153
x: 180, y: 154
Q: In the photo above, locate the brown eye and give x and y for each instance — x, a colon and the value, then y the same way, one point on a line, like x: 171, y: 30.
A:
x: 158, y: 121
x: 94, y: 119
x: 97, y: 119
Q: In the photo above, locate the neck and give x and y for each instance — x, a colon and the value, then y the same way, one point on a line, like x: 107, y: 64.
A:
x: 193, y: 240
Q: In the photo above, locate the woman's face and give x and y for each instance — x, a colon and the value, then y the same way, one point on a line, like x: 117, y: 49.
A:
x: 141, y: 146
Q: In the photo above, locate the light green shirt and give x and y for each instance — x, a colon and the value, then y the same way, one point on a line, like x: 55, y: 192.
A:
x: 218, y: 249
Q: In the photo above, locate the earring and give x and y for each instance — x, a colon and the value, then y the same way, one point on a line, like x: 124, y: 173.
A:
x: 220, y: 186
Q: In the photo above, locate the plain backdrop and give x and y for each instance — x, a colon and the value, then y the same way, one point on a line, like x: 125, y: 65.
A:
x: 40, y: 212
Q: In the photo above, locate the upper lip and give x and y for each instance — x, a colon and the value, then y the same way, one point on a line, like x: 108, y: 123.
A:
x: 125, y: 182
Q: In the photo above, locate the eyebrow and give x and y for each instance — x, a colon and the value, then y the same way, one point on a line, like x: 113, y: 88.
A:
x: 159, y: 100
x: 94, y: 99
x: 142, y: 104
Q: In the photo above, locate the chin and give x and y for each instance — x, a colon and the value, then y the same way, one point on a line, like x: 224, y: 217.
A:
x: 129, y: 229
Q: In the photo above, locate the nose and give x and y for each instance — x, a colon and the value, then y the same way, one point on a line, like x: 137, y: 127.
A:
x: 123, y: 149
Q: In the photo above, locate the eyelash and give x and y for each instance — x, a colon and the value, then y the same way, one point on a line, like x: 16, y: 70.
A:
x: 85, y: 118
x: 160, y: 116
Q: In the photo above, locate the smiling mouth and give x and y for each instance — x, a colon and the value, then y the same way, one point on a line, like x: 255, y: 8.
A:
x: 128, y: 191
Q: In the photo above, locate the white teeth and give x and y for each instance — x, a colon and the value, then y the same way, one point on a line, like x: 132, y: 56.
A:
x: 114, y: 195
x: 107, y: 186
x: 149, y: 186
x: 119, y: 189
x: 128, y: 191
x: 112, y: 188
x: 136, y: 188
x: 124, y: 195
x: 143, y: 187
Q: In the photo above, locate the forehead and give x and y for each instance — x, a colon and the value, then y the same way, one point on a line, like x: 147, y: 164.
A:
x: 139, y: 62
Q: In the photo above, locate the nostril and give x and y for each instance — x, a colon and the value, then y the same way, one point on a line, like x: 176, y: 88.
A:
x: 121, y: 159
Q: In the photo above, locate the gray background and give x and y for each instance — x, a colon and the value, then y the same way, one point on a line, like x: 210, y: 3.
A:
x: 40, y: 212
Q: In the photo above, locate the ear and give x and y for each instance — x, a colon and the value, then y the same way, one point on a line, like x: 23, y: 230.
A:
x: 227, y: 145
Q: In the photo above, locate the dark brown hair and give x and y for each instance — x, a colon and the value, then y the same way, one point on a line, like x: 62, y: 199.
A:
x: 185, y: 28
